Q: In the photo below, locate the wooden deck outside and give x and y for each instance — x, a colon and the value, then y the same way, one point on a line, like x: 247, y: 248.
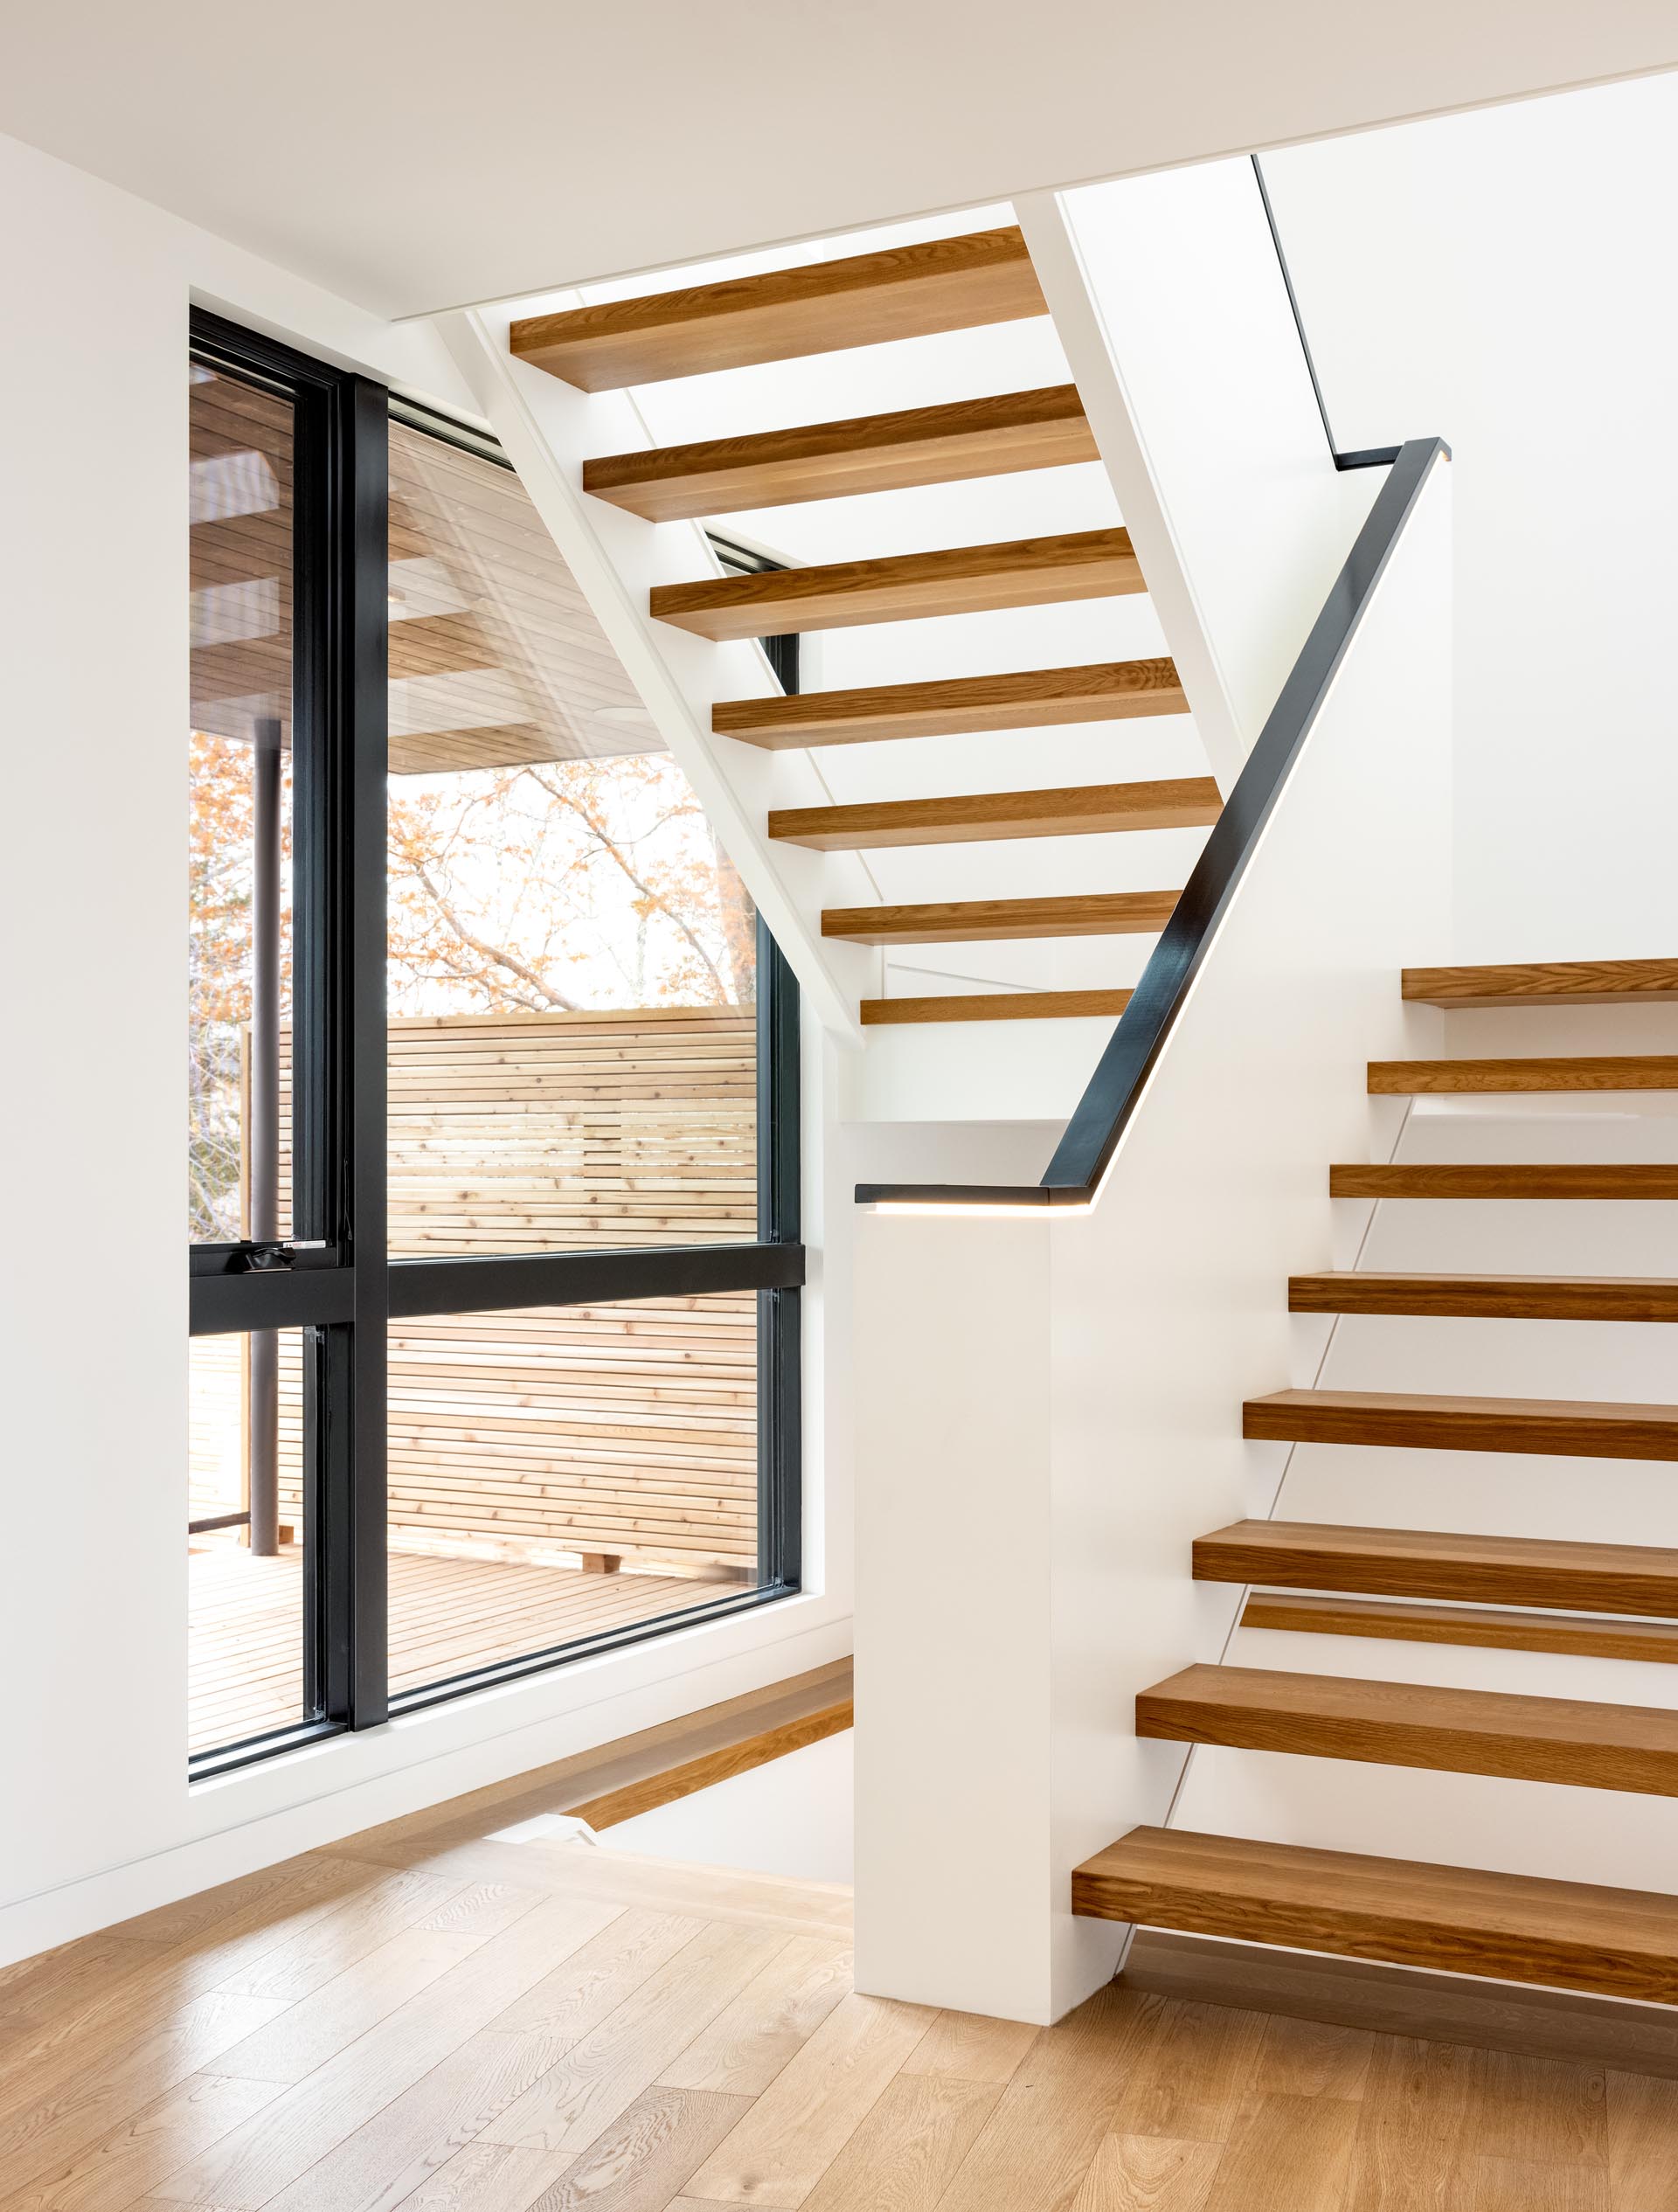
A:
x: 245, y: 1648
x: 626, y: 1431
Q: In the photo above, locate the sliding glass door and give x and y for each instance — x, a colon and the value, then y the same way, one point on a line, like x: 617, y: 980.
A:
x: 513, y: 1000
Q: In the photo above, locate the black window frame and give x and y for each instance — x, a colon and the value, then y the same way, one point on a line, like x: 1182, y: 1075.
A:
x: 334, y: 1278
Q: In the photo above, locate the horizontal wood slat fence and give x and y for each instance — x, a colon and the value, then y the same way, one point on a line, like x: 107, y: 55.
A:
x: 619, y: 1432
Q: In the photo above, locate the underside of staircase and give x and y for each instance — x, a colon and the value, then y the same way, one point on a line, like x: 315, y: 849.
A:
x: 906, y: 292
x: 1488, y: 1590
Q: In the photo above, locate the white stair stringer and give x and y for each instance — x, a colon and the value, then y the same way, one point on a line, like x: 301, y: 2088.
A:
x: 548, y: 429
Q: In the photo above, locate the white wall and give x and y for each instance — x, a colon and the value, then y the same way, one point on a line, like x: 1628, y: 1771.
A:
x: 94, y: 290
x: 1200, y: 399
x: 1048, y: 1412
x: 1503, y: 280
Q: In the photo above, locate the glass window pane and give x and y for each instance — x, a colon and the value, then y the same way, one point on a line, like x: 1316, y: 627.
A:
x: 249, y: 1624
x: 572, y: 955
x: 239, y: 818
x: 563, y: 1472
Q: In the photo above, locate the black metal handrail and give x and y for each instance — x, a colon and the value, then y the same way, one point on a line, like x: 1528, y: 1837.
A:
x: 1111, y: 1096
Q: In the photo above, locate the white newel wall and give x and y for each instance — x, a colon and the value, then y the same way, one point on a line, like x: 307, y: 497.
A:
x: 1048, y: 1413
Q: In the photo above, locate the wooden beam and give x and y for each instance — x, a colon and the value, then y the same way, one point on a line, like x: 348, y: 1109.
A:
x: 1656, y: 1641
x: 1567, y: 1427
x: 1428, y: 1562
x: 862, y: 299
x: 994, y: 1006
x: 1629, y: 1071
x: 1511, y: 1927
x: 963, y: 438
x: 963, y: 579
x: 963, y: 921
x: 1516, y: 1180
x: 1576, y: 1741
x: 1544, y: 983
x: 1038, y: 698
x: 1188, y: 803
x: 1533, y: 1298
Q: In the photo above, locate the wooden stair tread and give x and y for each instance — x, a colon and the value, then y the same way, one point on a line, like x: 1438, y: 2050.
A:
x: 1034, y: 699
x: 1046, y: 428
x: 1543, y: 982
x: 975, y: 921
x: 1656, y: 1641
x: 1633, y: 1180
x: 1509, y: 1927
x: 1569, y: 1427
x: 1623, y: 1071
x: 1460, y: 1731
x: 1580, y: 1298
x: 962, y: 580
x: 994, y: 1006
x: 1430, y: 1562
x: 864, y: 299
x: 1185, y: 802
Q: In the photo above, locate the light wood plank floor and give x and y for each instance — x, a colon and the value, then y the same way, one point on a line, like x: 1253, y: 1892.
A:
x: 412, y: 2023
x: 245, y: 1649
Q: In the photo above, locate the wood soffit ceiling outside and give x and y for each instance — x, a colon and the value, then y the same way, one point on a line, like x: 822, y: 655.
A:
x: 495, y: 657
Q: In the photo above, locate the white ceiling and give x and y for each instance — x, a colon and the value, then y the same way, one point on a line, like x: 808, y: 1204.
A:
x: 414, y: 156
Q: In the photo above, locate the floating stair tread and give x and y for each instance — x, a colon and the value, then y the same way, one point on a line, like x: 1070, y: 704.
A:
x: 1561, y: 1298
x: 1633, y: 1180
x: 1430, y: 1562
x: 962, y: 580
x: 1034, y: 699
x: 1626, y: 1072
x: 1508, y: 1927
x: 977, y: 921
x: 994, y: 1006
x: 1046, y: 428
x: 1186, y: 802
x: 1544, y: 983
x: 864, y: 299
x: 1656, y: 1641
x: 1570, y: 1427
x: 1459, y: 1731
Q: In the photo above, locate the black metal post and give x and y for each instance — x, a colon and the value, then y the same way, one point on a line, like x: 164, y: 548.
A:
x: 262, y: 1135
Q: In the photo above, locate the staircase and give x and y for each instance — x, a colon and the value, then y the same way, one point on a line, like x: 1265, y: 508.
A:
x: 909, y: 291
x: 1610, y: 1601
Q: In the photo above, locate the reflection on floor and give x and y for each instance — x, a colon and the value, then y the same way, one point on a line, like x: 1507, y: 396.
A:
x: 245, y: 1668
x: 447, y: 2024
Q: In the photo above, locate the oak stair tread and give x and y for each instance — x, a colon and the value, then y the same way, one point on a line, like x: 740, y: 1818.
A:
x: 1513, y: 1180
x: 994, y: 1006
x: 898, y: 587
x: 978, y: 921
x: 1031, y: 699
x: 1566, y: 1428
x: 1431, y: 1563
x: 1460, y: 1731
x: 1045, y: 429
x: 861, y: 298
x: 1579, y: 1298
x: 1399, y: 1622
x: 1621, y: 1071
x: 1184, y: 802
x: 1506, y: 1927
x: 1544, y: 983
